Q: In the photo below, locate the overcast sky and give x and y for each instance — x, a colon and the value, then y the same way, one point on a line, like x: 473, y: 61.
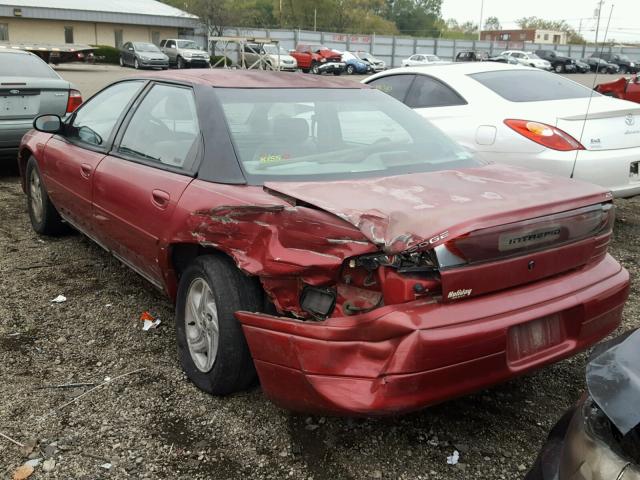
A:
x: 625, y: 21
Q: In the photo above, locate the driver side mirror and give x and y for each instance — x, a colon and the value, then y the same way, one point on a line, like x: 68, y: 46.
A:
x: 48, y: 123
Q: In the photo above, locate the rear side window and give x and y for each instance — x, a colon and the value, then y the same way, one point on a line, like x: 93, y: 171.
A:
x: 16, y: 65
x: 429, y: 92
x: 395, y: 85
x: 531, y: 85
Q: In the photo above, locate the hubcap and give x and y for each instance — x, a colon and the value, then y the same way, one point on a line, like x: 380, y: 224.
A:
x: 35, y: 193
x: 201, y: 325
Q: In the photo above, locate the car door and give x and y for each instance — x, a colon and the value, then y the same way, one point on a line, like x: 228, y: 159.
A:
x: 126, y: 54
x: 137, y: 187
x: 171, y: 51
x: 70, y: 158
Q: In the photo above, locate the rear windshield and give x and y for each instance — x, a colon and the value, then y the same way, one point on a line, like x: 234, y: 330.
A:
x: 16, y: 65
x: 531, y: 85
x: 329, y: 134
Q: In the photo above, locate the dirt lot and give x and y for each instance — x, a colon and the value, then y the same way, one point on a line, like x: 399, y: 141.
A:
x: 155, y: 424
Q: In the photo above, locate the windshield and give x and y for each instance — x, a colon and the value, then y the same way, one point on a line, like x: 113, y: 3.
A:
x: 17, y: 65
x: 188, y: 44
x: 531, y: 85
x: 316, y: 134
x: 146, y: 47
x: 273, y: 50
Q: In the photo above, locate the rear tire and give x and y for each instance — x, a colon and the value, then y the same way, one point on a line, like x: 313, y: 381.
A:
x: 305, y: 70
x: 44, y: 217
x: 315, y: 69
x: 623, y: 70
x: 136, y: 65
x: 350, y: 70
x: 211, y: 345
x: 180, y: 63
x: 121, y: 62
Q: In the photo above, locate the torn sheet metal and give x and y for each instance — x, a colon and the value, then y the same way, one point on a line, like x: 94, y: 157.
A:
x: 613, y: 380
x: 424, y: 209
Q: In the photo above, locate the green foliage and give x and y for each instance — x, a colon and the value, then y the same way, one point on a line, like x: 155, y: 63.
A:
x: 492, y: 23
x: 106, y: 54
x: 219, y: 58
x: 420, y: 18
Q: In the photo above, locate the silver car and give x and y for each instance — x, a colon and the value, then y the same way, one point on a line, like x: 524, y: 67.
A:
x: 28, y: 88
x: 185, y: 53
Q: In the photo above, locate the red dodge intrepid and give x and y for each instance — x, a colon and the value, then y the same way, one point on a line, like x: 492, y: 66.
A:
x: 320, y: 234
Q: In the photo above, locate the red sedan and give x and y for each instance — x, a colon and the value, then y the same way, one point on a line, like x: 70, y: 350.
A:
x: 625, y: 88
x: 321, y: 234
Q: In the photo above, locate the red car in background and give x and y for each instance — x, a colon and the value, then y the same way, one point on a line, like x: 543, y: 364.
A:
x: 321, y: 233
x: 318, y: 59
x: 624, y: 88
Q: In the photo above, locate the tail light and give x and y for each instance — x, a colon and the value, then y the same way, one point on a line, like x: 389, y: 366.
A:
x: 505, y: 241
x: 75, y: 100
x: 545, y: 135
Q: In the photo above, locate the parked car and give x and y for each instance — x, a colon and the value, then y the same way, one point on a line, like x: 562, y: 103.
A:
x: 471, y: 56
x: 527, y: 59
x: 421, y: 59
x: 625, y: 88
x: 377, y: 65
x: 600, y: 65
x: 185, y: 53
x: 354, y: 65
x: 29, y: 87
x: 625, y: 65
x: 599, y: 438
x: 143, y: 55
x: 523, y: 116
x: 503, y: 59
x: 268, y: 56
x: 583, y: 67
x: 559, y: 63
x: 318, y: 59
x: 326, y: 234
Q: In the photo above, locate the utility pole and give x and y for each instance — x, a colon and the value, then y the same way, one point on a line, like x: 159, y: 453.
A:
x: 480, y: 23
x: 597, y: 14
x: 315, y: 18
x: 280, y: 13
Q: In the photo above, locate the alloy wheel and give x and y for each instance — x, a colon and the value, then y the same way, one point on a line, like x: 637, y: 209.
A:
x: 35, y: 192
x: 201, y: 325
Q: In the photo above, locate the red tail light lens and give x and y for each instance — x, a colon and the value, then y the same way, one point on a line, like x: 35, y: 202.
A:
x: 546, y: 135
x: 75, y: 100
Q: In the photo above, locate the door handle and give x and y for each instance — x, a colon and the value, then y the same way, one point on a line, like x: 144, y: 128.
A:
x: 86, y: 170
x: 160, y: 198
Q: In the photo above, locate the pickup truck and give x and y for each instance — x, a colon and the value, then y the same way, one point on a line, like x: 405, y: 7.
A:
x: 318, y: 59
x: 185, y: 53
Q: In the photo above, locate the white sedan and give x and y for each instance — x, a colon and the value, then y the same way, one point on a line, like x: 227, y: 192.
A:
x: 528, y: 59
x: 421, y: 59
x: 528, y: 117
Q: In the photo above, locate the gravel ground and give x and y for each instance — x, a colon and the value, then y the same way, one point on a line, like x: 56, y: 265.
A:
x: 156, y: 424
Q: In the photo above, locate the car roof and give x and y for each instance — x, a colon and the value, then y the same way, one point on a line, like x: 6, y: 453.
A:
x: 224, y: 78
x: 14, y: 50
x: 463, y: 68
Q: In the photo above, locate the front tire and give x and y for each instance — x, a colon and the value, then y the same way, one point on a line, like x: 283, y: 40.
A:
x: 559, y: 68
x: 623, y: 70
x: 181, y: 63
x: 350, y: 70
x: 211, y: 345
x: 136, y: 65
x: 44, y: 217
x: 315, y: 69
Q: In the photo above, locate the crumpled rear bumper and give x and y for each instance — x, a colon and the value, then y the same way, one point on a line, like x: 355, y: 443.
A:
x: 405, y: 357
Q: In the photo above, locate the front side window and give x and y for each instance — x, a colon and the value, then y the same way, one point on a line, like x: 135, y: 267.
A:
x: 531, y: 85
x: 95, y: 120
x: 327, y: 134
x: 429, y: 92
x: 395, y: 85
x: 164, y: 128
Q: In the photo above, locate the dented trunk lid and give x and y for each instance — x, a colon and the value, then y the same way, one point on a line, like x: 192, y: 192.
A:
x: 550, y: 218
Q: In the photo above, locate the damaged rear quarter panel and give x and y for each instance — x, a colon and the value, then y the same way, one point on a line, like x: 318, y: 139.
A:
x: 266, y: 236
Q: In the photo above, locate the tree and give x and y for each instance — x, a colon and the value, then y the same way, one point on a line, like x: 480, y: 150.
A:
x: 415, y: 17
x: 492, y: 23
x: 559, y: 25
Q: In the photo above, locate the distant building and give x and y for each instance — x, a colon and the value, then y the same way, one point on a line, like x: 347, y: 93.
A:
x: 92, y: 22
x: 526, y: 35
